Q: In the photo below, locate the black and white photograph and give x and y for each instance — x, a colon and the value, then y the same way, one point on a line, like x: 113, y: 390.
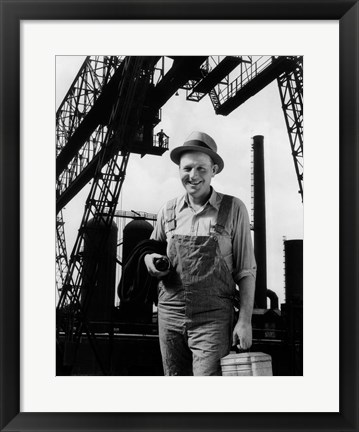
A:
x: 179, y: 227
x: 170, y: 259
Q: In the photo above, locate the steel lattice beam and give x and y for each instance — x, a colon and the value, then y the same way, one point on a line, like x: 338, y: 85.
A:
x: 61, y: 254
x: 79, y: 129
x: 103, y: 197
x: 291, y: 93
x: 95, y: 73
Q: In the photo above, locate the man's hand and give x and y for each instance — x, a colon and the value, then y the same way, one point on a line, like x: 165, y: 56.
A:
x: 242, y: 335
x: 149, y: 258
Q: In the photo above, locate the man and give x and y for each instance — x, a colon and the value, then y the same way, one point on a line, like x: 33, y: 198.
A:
x: 162, y: 138
x: 210, y: 250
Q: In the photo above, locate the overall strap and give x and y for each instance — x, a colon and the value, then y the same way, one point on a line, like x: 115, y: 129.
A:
x: 223, y: 213
x: 171, y: 214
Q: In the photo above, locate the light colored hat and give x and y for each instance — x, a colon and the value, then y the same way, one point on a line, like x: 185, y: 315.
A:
x: 200, y: 142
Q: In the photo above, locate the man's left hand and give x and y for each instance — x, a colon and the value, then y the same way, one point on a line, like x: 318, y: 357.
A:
x: 242, y: 335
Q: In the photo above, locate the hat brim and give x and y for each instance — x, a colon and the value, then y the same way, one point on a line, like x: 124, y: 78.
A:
x: 177, y: 152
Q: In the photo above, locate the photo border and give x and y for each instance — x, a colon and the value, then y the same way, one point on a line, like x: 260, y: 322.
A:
x: 12, y: 12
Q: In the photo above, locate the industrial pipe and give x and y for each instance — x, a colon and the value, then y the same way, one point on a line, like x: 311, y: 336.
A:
x: 274, y: 304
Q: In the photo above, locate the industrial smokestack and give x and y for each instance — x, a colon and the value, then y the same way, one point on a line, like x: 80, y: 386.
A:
x: 293, y: 271
x: 259, y: 216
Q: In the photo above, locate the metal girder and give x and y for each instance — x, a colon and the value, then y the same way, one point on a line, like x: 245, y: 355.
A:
x: 253, y: 78
x: 80, y: 120
x: 102, y: 200
x: 82, y: 124
x: 85, y: 93
x: 136, y: 215
x: 214, y: 72
x: 103, y: 197
x: 290, y: 86
x: 183, y: 70
x: 61, y: 254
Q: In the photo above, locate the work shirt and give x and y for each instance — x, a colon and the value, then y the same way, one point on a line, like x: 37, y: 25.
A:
x: 235, y: 242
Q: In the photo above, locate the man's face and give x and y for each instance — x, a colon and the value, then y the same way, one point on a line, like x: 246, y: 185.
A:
x: 196, y: 172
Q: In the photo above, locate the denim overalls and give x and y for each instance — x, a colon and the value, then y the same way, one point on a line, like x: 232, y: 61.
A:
x: 195, y: 305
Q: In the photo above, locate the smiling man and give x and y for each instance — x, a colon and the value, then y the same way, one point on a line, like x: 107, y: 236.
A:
x: 211, y: 254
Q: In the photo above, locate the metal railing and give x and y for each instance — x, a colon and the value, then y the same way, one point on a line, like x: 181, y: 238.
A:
x: 249, y: 70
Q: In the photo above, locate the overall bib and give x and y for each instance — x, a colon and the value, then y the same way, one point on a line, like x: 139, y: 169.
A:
x: 195, y: 304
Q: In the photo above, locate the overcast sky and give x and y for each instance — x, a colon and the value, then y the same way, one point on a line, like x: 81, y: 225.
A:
x: 152, y: 180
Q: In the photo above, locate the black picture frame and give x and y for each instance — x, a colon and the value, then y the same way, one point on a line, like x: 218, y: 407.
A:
x: 12, y: 12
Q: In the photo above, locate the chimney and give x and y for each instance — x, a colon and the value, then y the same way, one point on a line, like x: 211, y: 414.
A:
x: 259, y: 222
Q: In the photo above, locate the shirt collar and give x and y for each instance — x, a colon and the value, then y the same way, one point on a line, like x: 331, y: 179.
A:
x: 214, y: 200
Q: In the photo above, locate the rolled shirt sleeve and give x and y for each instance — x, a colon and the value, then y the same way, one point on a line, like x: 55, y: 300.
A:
x: 244, y: 263
x: 159, y: 231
